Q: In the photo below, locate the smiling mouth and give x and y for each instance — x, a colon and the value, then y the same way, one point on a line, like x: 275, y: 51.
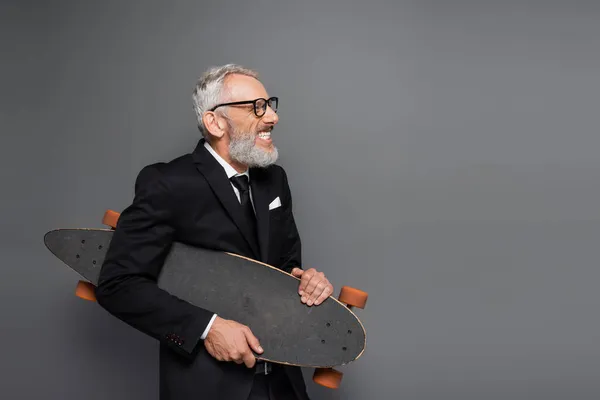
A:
x: 264, y: 135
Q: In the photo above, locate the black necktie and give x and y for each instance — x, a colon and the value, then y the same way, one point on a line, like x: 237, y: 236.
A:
x: 241, y: 183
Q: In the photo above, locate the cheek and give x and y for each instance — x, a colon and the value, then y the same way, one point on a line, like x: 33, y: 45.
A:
x: 254, y: 127
x: 244, y: 131
x: 248, y: 129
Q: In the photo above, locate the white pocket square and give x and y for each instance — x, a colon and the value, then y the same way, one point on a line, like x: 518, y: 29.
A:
x: 275, y: 203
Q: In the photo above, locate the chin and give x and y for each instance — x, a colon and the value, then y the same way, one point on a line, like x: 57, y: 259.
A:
x: 253, y: 154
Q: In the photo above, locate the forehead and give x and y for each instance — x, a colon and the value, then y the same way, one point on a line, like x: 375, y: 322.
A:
x: 242, y: 87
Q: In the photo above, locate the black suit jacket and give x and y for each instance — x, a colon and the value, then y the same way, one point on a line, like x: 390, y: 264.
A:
x: 190, y: 200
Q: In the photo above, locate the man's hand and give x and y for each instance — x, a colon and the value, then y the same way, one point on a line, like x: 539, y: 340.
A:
x: 314, y: 286
x: 231, y: 341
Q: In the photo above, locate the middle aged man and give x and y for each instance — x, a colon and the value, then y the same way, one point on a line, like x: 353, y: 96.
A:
x: 228, y: 194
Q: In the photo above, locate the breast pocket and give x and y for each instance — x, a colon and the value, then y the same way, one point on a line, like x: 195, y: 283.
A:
x: 275, y: 214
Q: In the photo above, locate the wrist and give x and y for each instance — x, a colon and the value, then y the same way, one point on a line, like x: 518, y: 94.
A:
x: 209, y: 327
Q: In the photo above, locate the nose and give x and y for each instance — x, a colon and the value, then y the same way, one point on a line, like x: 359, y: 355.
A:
x: 270, y: 116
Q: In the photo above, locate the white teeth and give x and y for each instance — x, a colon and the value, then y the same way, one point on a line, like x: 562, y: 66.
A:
x: 264, y: 135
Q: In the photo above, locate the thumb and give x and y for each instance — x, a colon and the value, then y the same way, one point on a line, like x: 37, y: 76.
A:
x: 253, y: 342
x: 297, y: 272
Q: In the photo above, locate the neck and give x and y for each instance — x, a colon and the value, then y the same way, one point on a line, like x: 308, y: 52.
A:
x: 222, y: 149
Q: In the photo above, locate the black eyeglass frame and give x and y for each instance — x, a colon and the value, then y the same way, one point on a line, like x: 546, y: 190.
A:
x: 268, y: 102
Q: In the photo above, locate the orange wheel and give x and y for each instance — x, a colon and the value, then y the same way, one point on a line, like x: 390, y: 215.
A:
x: 353, y: 297
x: 110, y: 218
x: 328, y: 377
x: 86, y: 291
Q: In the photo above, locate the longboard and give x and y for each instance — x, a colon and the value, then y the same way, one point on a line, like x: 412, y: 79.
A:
x: 252, y: 293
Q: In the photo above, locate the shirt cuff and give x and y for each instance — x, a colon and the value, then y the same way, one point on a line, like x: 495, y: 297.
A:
x: 208, y: 327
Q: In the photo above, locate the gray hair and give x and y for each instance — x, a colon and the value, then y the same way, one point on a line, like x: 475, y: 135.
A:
x: 209, y: 89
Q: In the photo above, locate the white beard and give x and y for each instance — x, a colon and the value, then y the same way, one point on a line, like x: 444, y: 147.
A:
x: 243, y: 150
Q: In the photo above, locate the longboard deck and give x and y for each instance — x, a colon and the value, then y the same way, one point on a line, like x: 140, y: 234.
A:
x: 255, y: 294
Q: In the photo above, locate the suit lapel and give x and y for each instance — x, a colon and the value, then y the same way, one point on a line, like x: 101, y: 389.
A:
x: 258, y: 184
x: 217, y: 179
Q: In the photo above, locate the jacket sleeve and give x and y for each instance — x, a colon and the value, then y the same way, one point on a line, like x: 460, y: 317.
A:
x: 291, y: 251
x: 127, y: 286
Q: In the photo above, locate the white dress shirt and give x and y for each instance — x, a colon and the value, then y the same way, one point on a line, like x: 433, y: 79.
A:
x: 230, y: 172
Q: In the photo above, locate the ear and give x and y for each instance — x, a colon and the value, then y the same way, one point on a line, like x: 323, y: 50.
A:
x: 214, y: 124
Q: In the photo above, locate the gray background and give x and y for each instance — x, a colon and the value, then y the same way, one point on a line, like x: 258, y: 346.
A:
x: 443, y: 156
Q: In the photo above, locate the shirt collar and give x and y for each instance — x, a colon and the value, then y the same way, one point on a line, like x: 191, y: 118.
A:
x: 229, y: 170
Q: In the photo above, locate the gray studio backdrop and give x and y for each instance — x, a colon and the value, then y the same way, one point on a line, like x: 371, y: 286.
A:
x: 443, y: 156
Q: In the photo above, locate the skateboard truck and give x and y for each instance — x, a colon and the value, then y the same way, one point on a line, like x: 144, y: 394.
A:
x: 351, y: 297
x: 87, y: 290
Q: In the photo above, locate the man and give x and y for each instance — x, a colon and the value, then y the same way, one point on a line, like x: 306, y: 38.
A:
x: 216, y: 197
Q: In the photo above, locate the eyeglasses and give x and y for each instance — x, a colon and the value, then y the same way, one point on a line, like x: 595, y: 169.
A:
x: 260, y: 105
